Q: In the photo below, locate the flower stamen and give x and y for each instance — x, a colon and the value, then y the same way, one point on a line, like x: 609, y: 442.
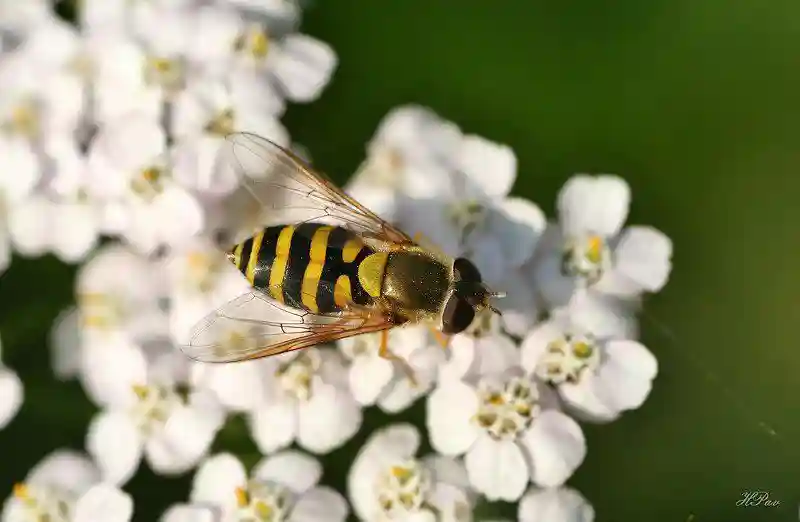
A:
x: 567, y: 358
x: 263, y: 502
x: 296, y: 377
x: 586, y: 257
x: 506, y: 409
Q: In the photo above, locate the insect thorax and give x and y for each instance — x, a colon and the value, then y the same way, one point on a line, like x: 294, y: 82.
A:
x: 416, y: 282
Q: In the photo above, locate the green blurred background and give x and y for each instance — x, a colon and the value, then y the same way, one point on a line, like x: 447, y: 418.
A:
x: 694, y: 103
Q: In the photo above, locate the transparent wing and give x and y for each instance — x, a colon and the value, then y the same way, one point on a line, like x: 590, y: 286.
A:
x: 254, y: 325
x: 292, y: 192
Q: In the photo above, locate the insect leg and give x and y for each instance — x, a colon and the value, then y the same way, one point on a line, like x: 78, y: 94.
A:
x: 442, y: 339
x: 384, y: 352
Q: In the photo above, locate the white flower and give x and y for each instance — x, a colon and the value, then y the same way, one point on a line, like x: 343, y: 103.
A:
x: 62, y: 220
x: 203, y: 115
x: 129, y: 168
x: 19, y: 174
x: 11, y: 394
x: 590, y: 250
x: 146, y: 412
x: 554, y: 505
x: 307, y: 400
x: 43, y: 93
x: 597, y: 378
x: 65, y: 487
x: 296, y: 66
x: 118, y: 295
x: 507, y: 431
x: 406, y: 156
x: 389, y: 482
x: 393, y: 385
x: 281, y: 488
x: 453, y: 188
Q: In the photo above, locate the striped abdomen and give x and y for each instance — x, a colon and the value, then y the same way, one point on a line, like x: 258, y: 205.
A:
x: 310, y: 266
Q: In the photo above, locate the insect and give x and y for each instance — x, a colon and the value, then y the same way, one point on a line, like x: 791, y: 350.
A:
x: 340, y: 271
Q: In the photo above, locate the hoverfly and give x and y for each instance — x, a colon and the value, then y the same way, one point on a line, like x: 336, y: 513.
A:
x: 341, y: 271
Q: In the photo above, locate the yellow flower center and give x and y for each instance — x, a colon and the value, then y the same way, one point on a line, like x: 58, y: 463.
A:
x: 508, y: 408
x: 262, y: 502
x: 44, y: 503
x: 566, y: 359
x: 253, y: 41
x: 296, y: 377
x: 586, y: 257
x: 403, y: 488
x: 222, y: 124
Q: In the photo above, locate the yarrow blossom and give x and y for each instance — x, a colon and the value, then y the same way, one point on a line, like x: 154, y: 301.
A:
x: 389, y: 482
x: 509, y: 431
x: 66, y: 487
x: 282, y: 487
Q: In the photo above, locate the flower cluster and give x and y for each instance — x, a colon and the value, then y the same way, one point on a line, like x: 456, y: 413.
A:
x: 112, y: 127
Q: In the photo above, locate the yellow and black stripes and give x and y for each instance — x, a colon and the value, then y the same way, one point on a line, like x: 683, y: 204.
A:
x: 310, y: 266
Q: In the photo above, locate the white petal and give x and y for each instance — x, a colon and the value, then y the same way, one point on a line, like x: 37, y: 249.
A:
x: 274, y: 425
x: 129, y: 143
x: 295, y: 470
x: 29, y: 225
x: 402, y: 393
x: 553, y: 286
x: 179, y: 215
x: 643, y: 257
x: 522, y: 224
x: 5, y: 251
x: 581, y: 400
x: 369, y: 376
x: 605, y: 316
x: 593, y: 204
x: 104, y: 502
x: 491, y: 166
x: 401, y: 440
x: 448, y: 470
x: 191, y: 513
x: 189, y: 432
x: 75, y: 231
x: 519, y: 307
x: 110, y: 370
x: 452, y: 503
x: 304, y: 66
x: 497, y: 469
x: 216, y: 480
x: 18, y: 157
x: 115, y: 444
x: 535, y: 344
x: 450, y: 408
x: 328, y: 419
x: 554, y: 505
x: 65, y: 344
x: 556, y: 447
x: 65, y: 469
x: 624, y: 380
x: 321, y: 504
x: 239, y: 387
x: 11, y: 395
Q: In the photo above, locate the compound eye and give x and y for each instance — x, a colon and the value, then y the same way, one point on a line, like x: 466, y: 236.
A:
x: 466, y: 271
x: 457, y: 316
